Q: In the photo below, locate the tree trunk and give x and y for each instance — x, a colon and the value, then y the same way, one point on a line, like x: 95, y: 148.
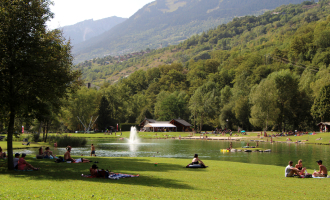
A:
x: 40, y: 126
x: 10, y: 138
x: 47, y: 127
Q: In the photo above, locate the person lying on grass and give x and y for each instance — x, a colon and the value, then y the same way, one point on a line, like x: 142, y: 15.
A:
x: 67, y: 157
x: 99, y: 173
x: 323, y: 170
x: 290, y: 171
x: 48, y: 153
x: 196, y: 160
x: 23, y: 165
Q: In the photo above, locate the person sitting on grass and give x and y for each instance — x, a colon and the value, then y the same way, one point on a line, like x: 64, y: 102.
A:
x: 48, y: 154
x: 2, y: 154
x: 197, y: 161
x: 16, y: 160
x: 290, y: 171
x: 23, y: 165
x: 67, y: 157
x: 323, y: 170
x: 40, y: 151
x: 300, y: 167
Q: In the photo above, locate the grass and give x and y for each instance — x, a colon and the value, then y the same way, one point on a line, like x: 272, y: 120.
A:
x: 18, y: 145
x: 168, y: 180
x: 146, y: 135
x: 311, y: 138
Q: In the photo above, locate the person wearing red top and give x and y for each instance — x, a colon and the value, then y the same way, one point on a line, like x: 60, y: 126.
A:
x: 23, y: 165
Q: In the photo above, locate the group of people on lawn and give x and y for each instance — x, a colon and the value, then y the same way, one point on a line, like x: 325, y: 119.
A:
x: 301, y: 172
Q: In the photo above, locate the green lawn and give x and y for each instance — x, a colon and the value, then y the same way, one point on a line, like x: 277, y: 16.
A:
x: 18, y: 145
x: 147, y: 135
x: 312, y: 139
x: 168, y: 180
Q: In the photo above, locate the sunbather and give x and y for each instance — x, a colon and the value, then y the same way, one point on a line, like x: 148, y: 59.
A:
x: 323, y: 172
x: 67, y: 157
x: 99, y: 173
x: 40, y: 151
x: 196, y: 160
x: 23, y: 165
x: 290, y: 171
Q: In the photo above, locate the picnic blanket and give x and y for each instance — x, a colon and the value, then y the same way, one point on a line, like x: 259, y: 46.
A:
x: 320, y: 177
x: 114, y: 176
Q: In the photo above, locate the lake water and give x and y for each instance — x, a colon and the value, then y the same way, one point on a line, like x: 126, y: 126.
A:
x: 207, y: 150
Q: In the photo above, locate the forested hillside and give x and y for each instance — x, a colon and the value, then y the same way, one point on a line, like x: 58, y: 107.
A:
x: 87, y: 29
x: 266, y: 72
x: 167, y: 22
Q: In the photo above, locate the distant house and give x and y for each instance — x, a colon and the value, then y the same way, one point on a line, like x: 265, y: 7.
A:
x: 324, y: 126
x: 181, y: 124
x: 90, y: 85
x: 146, y: 121
x: 165, y: 126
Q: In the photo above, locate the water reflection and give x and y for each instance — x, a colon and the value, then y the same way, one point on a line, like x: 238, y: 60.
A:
x: 280, y: 155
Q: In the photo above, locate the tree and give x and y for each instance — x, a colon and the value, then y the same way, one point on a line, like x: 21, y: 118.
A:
x: 321, y: 106
x: 104, y: 114
x: 264, y: 111
x: 35, y: 64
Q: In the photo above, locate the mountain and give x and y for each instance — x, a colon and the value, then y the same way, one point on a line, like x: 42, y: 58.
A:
x: 167, y: 22
x: 266, y: 72
x: 87, y: 29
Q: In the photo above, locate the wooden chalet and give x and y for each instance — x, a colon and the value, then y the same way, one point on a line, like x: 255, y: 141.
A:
x: 181, y: 125
x: 146, y: 121
x: 324, y: 126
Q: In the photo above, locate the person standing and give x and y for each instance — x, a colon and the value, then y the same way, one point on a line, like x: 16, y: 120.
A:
x: 92, y: 150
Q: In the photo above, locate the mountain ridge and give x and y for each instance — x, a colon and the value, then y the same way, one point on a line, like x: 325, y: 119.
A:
x: 152, y: 26
x: 87, y: 29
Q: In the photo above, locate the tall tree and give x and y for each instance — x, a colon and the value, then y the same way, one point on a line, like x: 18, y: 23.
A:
x: 35, y: 64
x: 104, y: 114
x: 321, y: 106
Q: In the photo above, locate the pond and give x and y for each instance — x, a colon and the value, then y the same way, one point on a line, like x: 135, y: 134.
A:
x: 207, y: 150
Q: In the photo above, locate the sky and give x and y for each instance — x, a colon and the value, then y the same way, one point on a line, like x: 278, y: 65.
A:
x: 69, y: 12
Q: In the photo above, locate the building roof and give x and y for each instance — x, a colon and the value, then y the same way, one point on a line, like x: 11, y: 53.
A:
x: 182, y: 121
x: 159, y: 125
x: 324, y: 123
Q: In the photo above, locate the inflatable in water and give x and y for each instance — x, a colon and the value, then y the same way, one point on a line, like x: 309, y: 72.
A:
x: 196, y: 166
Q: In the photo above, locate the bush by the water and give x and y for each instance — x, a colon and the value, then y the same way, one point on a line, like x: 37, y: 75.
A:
x: 63, y: 141
x: 127, y: 126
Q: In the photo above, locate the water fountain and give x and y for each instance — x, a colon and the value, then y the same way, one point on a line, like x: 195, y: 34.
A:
x: 133, y: 137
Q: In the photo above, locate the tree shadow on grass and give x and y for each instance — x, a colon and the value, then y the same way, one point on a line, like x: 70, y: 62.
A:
x: 64, y: 171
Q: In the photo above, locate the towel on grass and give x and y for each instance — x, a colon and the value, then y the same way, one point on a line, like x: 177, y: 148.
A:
x: 320, y: 177
x: 118, y: 176
x: 114, y: 176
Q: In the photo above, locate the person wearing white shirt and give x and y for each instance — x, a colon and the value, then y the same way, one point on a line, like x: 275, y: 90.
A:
x: 290, y: 171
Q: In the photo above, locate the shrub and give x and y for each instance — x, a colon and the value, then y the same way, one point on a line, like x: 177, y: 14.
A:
x: 64, y: 141
x: 127, y: 126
